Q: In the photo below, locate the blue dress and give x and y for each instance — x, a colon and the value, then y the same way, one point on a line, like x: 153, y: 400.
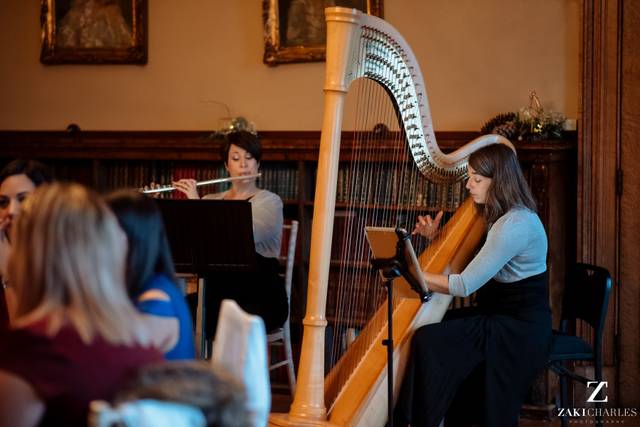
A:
x: 176, y: 307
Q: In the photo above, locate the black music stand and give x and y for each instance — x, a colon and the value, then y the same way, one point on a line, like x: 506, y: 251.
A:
x: 394, y: 261
x: 208, y: 236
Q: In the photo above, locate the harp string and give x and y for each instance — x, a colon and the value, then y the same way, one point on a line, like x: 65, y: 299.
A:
x: 380, y: 203
x: 355, y: 218
x: 384, y: 188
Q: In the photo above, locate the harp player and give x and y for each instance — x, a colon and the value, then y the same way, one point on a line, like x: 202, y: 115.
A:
x: 478, y: 363
x: 261, y: 292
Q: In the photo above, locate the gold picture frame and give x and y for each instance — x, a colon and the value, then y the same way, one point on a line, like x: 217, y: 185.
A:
x: 93, y: 31
x: 295, y: 30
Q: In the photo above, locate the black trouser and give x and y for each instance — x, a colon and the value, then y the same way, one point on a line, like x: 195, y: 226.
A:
x: 478, y: 363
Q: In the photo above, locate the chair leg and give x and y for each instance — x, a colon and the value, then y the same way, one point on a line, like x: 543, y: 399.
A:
x: 599, y: 419
x: 563, y: 399
x: 599, y: 406
x: 289, y: 355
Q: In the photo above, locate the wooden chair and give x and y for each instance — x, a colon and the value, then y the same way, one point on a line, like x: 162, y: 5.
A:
x: 282, y: 336
x: 586, y: 298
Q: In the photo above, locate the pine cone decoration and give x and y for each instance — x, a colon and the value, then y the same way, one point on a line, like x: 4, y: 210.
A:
x: 508, y: 130
x: 498, y: 120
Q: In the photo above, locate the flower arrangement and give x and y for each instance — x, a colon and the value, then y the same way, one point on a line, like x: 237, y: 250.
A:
x: 531, y: 123
x: 239, y: 123
x: 233, y: 124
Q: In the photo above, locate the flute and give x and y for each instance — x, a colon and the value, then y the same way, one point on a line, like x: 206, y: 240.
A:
x: 209, y: 182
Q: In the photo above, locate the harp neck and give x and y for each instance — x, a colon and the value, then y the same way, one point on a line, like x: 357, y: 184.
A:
x: 364, y: 46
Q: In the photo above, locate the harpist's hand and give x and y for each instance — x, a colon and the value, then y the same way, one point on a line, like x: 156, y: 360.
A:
x: 188, y: 187
x: 427, y: 226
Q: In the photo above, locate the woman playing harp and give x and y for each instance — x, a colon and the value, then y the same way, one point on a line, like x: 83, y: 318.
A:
x: 388, y: 182
x: 477, y: 365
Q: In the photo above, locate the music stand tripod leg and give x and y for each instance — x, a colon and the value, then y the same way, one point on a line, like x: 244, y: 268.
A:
x: 390, y: 268
x: 200, y: 335
x: 389, y: 344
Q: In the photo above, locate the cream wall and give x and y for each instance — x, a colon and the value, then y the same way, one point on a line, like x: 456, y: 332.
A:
x: 478, y: 58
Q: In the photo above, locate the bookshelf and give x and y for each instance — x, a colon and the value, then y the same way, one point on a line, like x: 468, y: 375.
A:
x: 108, y: 159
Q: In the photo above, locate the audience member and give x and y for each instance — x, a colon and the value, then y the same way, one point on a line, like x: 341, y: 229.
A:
x: 18, y: 179
x: 150, y: 274
x: 76, y: 336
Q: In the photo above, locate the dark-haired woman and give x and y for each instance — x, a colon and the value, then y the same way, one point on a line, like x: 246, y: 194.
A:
x: 18, y: 179
x: 476, y: 366
x: 150, y: 275
x: 261, y: 292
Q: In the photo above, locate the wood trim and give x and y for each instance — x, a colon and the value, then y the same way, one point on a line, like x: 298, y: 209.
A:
x: 598, y: 153
x: 598, y: 134
x: 629, y: 156
x: 199, y: 146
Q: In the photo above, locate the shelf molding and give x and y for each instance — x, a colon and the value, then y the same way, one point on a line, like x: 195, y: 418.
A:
x: 199, y: 146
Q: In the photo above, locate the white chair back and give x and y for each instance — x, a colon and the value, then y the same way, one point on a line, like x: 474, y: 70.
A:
x: 290, y: 256
x: 282, y: 336
x: 240, y: 347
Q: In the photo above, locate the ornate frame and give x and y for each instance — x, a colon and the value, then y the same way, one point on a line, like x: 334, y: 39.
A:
x: 135, y: 53
x: 275, y: 49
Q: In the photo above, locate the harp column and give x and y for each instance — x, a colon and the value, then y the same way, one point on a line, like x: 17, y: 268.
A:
x: 308, y: 404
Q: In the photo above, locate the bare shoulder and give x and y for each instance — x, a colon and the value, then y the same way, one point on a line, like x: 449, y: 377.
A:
x: 154, y: 294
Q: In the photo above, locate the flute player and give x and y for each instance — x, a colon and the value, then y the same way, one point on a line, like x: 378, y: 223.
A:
x: 261, y: 292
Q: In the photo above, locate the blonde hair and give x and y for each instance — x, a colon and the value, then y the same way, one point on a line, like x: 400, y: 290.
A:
x: 68, y: 265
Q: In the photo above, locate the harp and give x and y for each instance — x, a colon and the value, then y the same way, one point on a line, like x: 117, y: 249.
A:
x: 363, y: 48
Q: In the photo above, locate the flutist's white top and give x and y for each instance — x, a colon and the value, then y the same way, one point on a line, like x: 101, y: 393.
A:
x: 266, y: 210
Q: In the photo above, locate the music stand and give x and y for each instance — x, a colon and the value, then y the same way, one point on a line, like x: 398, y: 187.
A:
x: 394, y: 256
x: 208, y: 236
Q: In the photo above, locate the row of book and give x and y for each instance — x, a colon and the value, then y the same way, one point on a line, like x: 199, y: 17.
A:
x: 392, y: 186
x: 281, y: 179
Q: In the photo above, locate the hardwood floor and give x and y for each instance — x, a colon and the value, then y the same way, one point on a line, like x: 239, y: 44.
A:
x: 281, y: 401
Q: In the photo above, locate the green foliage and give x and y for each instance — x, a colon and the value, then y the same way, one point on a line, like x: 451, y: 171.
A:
x: 531, y: 123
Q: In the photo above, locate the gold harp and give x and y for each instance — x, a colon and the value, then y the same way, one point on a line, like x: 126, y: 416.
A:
x: 354, y: 391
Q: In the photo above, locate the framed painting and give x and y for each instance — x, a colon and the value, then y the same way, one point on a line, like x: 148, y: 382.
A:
x: 295, y: 30
x: 93, y: 31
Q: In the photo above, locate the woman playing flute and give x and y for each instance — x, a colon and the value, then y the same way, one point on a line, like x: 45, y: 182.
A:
x: 261, y: 292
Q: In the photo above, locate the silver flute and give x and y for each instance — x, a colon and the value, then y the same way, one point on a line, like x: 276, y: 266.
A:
x: 198, y: 184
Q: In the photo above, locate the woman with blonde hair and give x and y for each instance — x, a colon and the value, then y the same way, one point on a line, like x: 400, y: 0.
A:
x: 76, y: 336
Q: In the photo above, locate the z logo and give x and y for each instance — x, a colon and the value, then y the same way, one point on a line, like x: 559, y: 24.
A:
x: 601, y: 384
